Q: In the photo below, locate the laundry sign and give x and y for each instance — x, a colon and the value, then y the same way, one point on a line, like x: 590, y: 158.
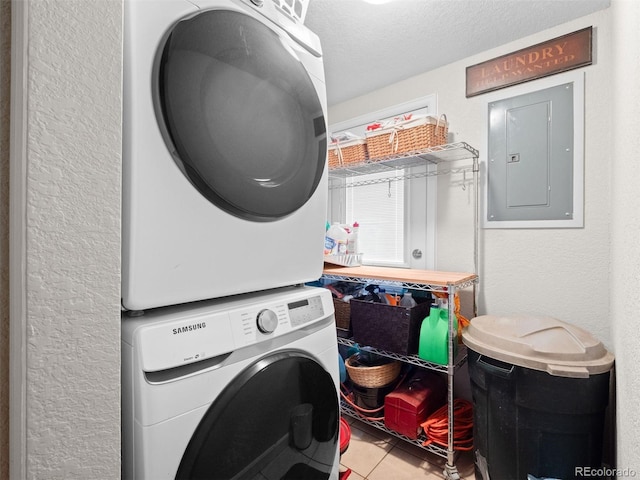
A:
x: 553, y: 56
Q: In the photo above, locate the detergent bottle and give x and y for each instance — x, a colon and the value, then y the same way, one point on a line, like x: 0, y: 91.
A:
x: 407, y: 300
x: 339, y: 236
x: 433, y: 345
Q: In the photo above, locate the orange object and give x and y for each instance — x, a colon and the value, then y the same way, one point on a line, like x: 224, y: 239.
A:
x: 391, y: 299
x: 462, y: 320
x: 436, y: 428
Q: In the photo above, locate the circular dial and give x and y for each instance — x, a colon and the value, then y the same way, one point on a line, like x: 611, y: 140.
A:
x: 267, y: 321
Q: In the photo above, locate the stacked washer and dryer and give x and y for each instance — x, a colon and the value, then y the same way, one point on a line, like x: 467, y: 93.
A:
x: 229, y: 363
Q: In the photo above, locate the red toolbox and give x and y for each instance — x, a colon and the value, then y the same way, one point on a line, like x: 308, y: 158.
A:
x: 412, y: 402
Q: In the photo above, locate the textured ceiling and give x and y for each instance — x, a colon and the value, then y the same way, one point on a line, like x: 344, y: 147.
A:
x: 367, y: 47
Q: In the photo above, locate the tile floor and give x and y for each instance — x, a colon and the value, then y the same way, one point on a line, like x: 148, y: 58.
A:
x: 375, y: 455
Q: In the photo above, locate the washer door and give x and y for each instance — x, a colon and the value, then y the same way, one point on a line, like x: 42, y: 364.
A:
x: 278, y: 419
x: 241, y: 115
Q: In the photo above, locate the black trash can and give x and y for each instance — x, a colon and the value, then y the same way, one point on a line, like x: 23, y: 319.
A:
x: 540, y: 389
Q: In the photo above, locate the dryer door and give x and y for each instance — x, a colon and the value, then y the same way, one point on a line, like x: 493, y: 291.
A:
x: 277, y: 419
x: 240, y: 114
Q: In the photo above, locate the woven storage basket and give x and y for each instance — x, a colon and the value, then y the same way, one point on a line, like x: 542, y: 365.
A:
x: 342, y: 154
x: 343, y: 314
x: 408, y: 136
x: 388, y: 327
x: 372, y: 377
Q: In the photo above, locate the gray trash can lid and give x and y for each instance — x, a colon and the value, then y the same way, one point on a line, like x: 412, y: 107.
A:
x: 539, y: 343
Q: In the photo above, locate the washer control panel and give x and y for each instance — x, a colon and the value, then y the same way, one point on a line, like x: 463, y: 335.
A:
x: 305, y: 311
x: 251, y: 325
x: 167, y: 340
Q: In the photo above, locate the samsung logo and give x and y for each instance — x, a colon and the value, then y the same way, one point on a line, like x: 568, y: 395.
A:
x: 189, y: 328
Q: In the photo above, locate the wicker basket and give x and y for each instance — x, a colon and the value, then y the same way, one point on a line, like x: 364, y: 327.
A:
x: 372, y: 377
x: 342, y: 154
x: 343, y: 314
x: 408, y: 136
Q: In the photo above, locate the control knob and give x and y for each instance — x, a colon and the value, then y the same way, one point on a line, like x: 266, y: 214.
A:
x: 267, y: 321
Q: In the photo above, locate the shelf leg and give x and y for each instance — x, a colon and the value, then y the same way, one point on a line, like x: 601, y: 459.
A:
x: 450, y: 469
x: 451, y: 472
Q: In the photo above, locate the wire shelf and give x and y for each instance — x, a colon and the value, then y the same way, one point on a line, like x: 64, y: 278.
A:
x: 347, y: 409
x: 451, y: 152
x: 399, y: 167
x: 414, y: 359
x: 425, y: 287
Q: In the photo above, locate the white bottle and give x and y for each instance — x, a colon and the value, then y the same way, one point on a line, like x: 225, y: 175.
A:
x: 408, y: 300
x: 340, y: 236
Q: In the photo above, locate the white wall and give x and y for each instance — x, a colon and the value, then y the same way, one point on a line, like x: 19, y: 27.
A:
x: 65, y: 229
x: 625, y: 225
x: 571, y: 274
x: 557, y: 272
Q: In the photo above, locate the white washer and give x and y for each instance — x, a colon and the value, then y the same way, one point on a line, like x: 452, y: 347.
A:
x: 242, y: 388
x: 224, y: 151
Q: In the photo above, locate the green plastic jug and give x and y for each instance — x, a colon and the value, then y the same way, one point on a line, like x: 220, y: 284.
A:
x: 434, y: 337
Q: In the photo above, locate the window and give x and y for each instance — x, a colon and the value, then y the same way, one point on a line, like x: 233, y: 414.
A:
x: 396, y: 214
x: 377, y: 202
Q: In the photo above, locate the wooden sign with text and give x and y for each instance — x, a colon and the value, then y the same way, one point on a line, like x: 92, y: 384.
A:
x: 554, y: 56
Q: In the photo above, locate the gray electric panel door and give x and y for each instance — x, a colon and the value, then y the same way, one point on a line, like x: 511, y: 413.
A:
x: 530, y: 168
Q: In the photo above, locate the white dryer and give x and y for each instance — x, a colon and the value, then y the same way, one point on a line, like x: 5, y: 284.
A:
x: 224, y: 151
x: 242, y: 388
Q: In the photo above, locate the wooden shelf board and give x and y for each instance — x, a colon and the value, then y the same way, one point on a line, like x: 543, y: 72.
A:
x: 407, y: 275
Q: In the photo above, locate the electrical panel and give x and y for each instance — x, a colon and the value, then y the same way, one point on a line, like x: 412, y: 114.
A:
x: 531, y: 156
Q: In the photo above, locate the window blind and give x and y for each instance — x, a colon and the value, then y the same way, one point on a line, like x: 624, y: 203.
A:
x: 379, y: 209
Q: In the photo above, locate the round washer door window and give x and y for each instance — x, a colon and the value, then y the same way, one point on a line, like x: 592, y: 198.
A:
x: 278, y: 419
x: 241, y: 115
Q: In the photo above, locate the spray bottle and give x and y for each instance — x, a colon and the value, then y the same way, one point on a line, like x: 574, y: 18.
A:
x: 352, y: 242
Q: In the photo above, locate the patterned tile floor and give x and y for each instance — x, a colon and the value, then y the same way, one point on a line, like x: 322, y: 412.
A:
x: 376, y: 455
